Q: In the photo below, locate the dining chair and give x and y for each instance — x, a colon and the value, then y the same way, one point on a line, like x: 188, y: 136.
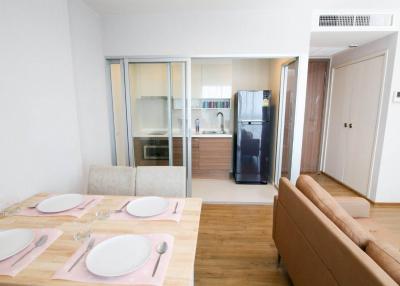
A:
x: 164, y: 181
x: 112, y: 180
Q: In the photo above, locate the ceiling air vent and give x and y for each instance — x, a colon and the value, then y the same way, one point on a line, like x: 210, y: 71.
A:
x: 336, y: 20
x: 363, y: 20
x: 375, y: 20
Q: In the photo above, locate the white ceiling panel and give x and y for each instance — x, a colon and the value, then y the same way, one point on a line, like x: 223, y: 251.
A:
x: 326, y: 44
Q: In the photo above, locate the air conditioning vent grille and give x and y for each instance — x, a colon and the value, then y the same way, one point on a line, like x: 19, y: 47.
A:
x: 357, y: 20
x: 363, y: 20
x: 336, y: 20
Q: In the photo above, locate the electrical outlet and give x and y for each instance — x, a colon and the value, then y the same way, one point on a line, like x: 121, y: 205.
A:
x: 396, y: 97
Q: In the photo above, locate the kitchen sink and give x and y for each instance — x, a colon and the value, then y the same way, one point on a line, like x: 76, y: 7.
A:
x: 212, y: 132
x: 157, y: 133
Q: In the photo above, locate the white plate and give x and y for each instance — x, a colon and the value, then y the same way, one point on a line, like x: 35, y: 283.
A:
x: 119, y: 255
x: 147, y: 207
x: 60, y: 203
x: 13, y: 241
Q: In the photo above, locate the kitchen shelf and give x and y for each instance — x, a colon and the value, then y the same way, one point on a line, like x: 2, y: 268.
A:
x: 203, y: 103
x: 200, y: 108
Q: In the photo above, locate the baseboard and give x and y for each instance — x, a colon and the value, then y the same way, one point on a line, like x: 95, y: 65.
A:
x: 349, y: 188
x: 375, y: 204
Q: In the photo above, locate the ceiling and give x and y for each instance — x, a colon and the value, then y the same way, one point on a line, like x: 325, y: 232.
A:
x: 107, y: 7
x: 326, y: 44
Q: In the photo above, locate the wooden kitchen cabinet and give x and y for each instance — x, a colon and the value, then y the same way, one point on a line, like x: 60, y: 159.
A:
x: 211, y: 157
x: 177, y: 151
x: 140, y: 142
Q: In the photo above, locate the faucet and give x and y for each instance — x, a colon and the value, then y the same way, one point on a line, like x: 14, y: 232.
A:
x: 197, y: 124
x: 222, y: 122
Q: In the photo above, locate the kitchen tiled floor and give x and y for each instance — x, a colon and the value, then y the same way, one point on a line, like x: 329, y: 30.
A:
x: 228, y: 192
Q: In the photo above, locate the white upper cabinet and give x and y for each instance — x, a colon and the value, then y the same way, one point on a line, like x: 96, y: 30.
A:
x: 196, y: 80
x: 151, y: 79
x: 148, y: 80
x: 212, y: 79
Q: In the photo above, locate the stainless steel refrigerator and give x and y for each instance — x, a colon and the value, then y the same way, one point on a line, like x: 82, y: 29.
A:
x: 252, y: 136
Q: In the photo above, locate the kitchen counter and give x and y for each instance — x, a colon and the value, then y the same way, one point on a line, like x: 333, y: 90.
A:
x: 177, y: 135
x: 226, y: 135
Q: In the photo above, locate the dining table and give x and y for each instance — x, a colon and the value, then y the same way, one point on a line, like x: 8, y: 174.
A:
x: 180, y: 269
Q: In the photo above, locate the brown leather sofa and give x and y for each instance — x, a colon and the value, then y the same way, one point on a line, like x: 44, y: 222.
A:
x: 322, y: 244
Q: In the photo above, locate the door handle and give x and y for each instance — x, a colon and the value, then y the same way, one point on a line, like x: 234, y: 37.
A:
x: 345, y: 125
x: 350, y: 125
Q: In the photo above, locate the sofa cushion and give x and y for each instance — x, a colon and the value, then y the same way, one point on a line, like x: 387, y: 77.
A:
x: 331, y: 208
x: 379, y: 231
x: 387, y: 257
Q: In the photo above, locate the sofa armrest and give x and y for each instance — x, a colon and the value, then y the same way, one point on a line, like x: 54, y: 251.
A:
x: 355, y: 206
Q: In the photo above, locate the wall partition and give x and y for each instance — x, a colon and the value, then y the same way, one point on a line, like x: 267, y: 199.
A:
x: 151, y: 111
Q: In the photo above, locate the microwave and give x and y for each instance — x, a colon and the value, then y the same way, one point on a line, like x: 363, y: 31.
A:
x: 155, y: 151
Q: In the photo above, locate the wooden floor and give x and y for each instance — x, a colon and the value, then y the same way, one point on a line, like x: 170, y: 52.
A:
x: 235, y: 245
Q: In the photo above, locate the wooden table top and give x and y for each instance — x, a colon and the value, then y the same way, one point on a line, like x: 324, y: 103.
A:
x: 40, y: 271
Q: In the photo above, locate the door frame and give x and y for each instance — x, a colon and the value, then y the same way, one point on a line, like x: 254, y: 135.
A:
x: 281, y: 122
x: 324, y: 108
x: 111, y: 108
x: 186, y: 100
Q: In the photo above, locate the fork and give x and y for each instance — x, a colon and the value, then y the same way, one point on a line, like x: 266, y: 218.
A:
x: 86, y: 204
x: 176, y: 208
x: 34, y: 206
x: 88, y: 248
x: 121, y: 209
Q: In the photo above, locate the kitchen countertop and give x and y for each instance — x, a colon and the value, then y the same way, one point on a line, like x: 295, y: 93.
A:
x: 176, y: 134
x: 199, y: 135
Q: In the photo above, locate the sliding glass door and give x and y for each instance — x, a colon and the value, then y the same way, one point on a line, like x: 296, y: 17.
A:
x: 119, y: 119
x: 152, y: 108
x: 287, y: 108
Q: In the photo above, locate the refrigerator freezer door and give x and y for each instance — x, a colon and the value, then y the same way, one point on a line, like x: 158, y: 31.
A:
x: 250, y: 105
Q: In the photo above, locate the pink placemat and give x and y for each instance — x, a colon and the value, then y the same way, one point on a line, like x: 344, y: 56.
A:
x: 142, y: 276
x: 6, y: 267
x: 73, y: 212
x: 167, y: 215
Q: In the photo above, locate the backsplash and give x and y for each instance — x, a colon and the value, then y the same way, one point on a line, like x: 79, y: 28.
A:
x: 209, y: 121
x: 156, y: 117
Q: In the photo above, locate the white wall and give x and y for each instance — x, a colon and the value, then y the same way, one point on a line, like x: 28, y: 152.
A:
x: 207, y: 33
x: 388, y: 189
x: 39, y: 145
x: 90, y: 86
x: 384, y: 185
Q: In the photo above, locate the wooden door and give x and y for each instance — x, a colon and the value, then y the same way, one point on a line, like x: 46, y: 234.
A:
x: 315, y: 100
x: 338, y: 115
x: 367, y: 82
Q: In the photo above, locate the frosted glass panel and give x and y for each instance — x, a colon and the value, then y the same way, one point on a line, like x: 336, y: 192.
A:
x: 119, y: 114
x: 156, y: 89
